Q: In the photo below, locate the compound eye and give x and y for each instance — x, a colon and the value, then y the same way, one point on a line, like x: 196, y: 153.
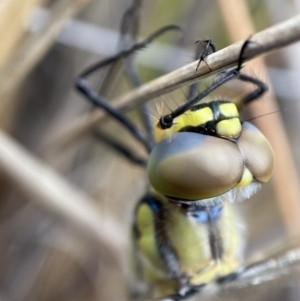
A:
x: 192, y: 166
x: 257, y: 152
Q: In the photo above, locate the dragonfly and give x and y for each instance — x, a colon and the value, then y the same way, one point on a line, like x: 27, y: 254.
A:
x: 203, y: 158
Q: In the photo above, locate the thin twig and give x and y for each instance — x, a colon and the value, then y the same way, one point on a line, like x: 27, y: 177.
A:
x: 265, y: 41
x: 285, y: 179
x: 12, y: 16
x: 44, y: 186
x: 33, y: 49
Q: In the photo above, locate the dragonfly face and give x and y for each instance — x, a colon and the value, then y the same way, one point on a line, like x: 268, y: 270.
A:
x: 207, y: 154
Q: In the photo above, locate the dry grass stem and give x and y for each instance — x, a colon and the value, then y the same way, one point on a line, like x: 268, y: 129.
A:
x: 13, y: 15
x: 285, y: 179
x: 44, y: 186
x: 66, y: 235
x: 265, y: 41
x: 34, y: 48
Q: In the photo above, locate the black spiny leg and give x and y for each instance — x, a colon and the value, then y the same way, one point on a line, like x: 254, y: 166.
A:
x: 209, y: 48
x: 129, y: 30
x: 91, y: 95
x: 261, y: 87
x: 166, y: 121
x: 201, y: 54
x: 258, y: 92
x: 127, y: 47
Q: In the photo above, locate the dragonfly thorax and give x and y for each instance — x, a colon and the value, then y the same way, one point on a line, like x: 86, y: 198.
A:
x: 216, y: 118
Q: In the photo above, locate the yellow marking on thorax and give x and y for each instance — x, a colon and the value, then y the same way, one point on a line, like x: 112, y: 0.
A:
x: 189, y: 118
x: 230, y: 260
x: 192, y: 118
x: 229, y: 128
x: 147, y: 241
x: 189, y: 240
x: 229, y: 109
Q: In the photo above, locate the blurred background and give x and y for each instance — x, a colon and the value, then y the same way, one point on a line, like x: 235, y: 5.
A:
x: 45, y: 253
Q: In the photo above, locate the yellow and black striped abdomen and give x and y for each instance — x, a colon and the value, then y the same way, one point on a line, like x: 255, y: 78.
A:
x: 189, y: 244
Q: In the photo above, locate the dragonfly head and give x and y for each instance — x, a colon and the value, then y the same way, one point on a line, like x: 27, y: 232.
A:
x: 193, y: 166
